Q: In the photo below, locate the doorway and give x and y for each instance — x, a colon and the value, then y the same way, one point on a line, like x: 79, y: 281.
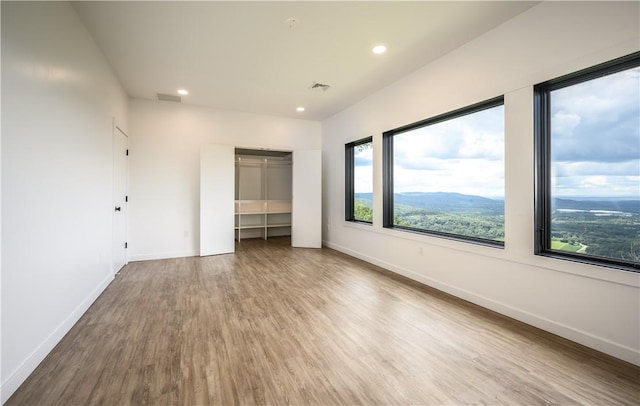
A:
x: 120, y: 198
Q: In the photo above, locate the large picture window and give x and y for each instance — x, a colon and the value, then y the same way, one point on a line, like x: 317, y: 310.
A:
x: 445, y: 176
x: 359, y: 181
x: 588, y: 165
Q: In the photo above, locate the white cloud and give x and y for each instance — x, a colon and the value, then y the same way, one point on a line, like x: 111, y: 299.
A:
x: 462, y: 155
x: 363, y: 179
x: 597, y: 120
x: 564, y: 169
x: 599, y: 185
x: 467, y: 176
x: 564, y: 122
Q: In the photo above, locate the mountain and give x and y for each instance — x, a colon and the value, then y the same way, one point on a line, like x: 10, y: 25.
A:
x: 442, y: 201
x: 457, y: 202
x: 624, y: 205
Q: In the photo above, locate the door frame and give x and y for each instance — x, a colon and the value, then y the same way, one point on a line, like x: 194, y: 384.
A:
x: 115, y: 133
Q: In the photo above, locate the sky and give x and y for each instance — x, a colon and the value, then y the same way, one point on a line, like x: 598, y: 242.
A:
x: 595, y: 132
x: 363, y: 169
x: 595, y: 148
x: 462, y: 155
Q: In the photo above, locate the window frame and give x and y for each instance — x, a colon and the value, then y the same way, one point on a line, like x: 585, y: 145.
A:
x: 542, y: 159
x: 349, y: 180
x: 387, y: 172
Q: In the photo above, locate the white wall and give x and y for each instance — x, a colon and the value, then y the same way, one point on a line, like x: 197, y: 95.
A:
x: 59, y: 98
x: 164, y: 167
x: 596, y: 306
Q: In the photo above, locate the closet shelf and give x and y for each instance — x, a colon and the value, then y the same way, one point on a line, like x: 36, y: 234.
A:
x: 255, y: 226
x: 263, y: 196
x: 264, y: 201
x: 247, y: 213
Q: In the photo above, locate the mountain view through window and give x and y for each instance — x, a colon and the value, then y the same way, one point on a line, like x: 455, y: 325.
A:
x: 363, y: 182
x: 595, y: 167
x: 448, y: 177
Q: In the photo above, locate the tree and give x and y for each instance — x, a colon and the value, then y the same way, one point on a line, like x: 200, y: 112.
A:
x: 362, y: 212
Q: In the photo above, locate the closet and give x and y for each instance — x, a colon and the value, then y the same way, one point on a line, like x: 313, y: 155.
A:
x: 259, y: 193
x: 263, y: 192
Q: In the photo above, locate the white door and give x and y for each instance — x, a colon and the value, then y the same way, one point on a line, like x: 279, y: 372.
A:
x: 306, y: 216
x: 217, y: 195
x: 120, y: 169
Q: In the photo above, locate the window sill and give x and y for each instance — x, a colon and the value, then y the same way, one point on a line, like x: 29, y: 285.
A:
x: 592, y: 271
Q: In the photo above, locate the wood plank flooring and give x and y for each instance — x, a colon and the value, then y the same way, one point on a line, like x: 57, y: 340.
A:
x: 275, y: 325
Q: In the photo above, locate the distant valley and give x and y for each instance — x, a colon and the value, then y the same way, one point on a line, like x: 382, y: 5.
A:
x: 608, y: 204
x: 601, y: 226
x: 442, y: 201
x: 457, y: 202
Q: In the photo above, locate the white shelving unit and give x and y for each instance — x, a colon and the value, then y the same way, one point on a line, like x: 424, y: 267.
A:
x: 263, y: 196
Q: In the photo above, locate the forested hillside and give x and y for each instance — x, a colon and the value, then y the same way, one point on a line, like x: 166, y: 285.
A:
x: 607, y: 227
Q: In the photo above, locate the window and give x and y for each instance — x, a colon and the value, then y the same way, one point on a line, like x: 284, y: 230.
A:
x: 359, y: 181
x: 588, y: 165
x: 445, y: 175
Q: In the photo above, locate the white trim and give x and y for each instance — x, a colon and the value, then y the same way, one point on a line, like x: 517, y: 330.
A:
x: 164, y: 255
x: 121, y: 130
x: 582, y: 337
x: 22, y: 372
x: 613, y: 275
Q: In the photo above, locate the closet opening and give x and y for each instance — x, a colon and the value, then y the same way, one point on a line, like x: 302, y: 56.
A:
x: 263, y: 193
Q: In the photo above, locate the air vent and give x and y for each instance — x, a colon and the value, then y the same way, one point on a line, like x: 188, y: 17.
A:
x: 169, y: 97
x: 319, y: 86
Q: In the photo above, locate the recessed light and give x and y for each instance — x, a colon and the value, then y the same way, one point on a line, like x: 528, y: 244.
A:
x: 183, y: 92
x: 291, y: 22
x: 379, y: 49
x: 300, y: 109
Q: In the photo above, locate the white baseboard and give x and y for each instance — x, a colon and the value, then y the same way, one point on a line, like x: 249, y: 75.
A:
x: 164, y: 255
x: 582, y: 337
x: 11, y: 383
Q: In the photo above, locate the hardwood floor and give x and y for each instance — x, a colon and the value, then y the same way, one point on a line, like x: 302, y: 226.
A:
x: 275, y: 325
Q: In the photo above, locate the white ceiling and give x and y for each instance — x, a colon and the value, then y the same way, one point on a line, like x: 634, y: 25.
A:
x: 243, y: 56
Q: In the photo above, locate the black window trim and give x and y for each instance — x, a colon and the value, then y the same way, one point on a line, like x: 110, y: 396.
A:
x: 542, y: 159
x: 387, y: 172
x: 349, y: 179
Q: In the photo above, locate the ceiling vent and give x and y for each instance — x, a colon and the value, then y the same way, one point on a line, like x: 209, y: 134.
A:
x: 169, y: 97
x: 319, y: 86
